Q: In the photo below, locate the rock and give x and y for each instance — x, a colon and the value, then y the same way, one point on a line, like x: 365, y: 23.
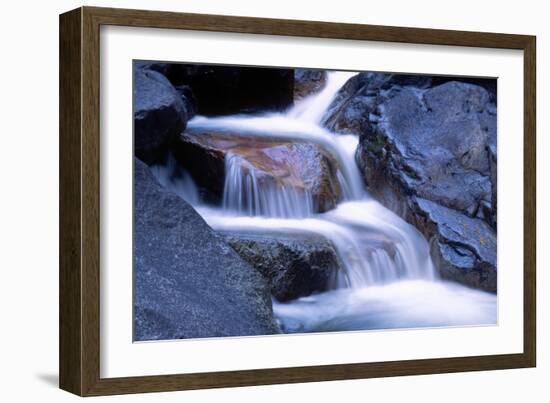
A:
x: 418, y: 132
x: 463, y: 248
x: 294, y: 265
x: 428, y: 152
x: 188, y: 282
x: 276, y: 163
x: 223, y: 90
x: 160, y: 114
x: 358, y: 99
x: 351, y: 109
x: 188, y: 98
x: 435, y: 147
x: 161, y: 68
x: 489, y: 84
x: 307, y: 82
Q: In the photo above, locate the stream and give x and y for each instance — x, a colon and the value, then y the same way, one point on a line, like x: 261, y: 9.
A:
x: 386, y: 279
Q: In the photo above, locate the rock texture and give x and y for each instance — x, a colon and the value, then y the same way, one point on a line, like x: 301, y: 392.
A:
x: 294, y: 265
x: 428, y: 152
x: 463, y: 248
x: 160, y: 113
x: 307, y: 82
x: 188, y: 281
x: 297, y: 165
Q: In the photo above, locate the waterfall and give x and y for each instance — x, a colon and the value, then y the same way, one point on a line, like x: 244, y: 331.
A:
x: 394, y: 251
x: 373, y: 244
x: 244, y: 193
x: 386, y: 268
x: 177, y: 180
x: 286, y: 126
x: 313, y: 107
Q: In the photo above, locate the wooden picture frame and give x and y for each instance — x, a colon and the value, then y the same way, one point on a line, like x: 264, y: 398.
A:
x: 80, y: 184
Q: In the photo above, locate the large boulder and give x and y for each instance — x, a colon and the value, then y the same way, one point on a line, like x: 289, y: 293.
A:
x: 295, y: 265
x: 425, y: 141
x: 188, y: 282
x: 274, y: 163
x: 436, y: 146
x: 223, y: 90
x: 160, y: 113
x: 307, y: 82
x: 353, y: 105
x: 439, y: 144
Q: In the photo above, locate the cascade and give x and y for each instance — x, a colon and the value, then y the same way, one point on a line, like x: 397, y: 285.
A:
x: 387, y: 278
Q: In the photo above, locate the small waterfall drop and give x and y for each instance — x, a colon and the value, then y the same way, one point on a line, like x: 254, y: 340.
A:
x: 177, y: 180
x: 312, y: 108
x: 244, y: 192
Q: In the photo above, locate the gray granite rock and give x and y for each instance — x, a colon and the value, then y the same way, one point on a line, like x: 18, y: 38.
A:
x: 188, y: 282
x: 463, y: 248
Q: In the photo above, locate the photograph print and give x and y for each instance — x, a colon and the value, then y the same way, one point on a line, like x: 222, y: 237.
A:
x: 275, y: 201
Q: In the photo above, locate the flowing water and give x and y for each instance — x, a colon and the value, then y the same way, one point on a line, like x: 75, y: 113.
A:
x: 244, y: 193
x: 387, y: 279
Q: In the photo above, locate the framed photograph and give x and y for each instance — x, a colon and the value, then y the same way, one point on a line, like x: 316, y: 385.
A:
x: 249, y: 201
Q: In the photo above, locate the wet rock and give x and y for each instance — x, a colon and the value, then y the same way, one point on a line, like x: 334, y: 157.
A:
x: 275, y: 163
x: 307, y: 82
x: 188, y: 281
x: 463, y: 248
x: 433, y: 145
x: 160, y: 114
x: 356, y: 102
x: 431, y: 140
x: 294, y: 265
